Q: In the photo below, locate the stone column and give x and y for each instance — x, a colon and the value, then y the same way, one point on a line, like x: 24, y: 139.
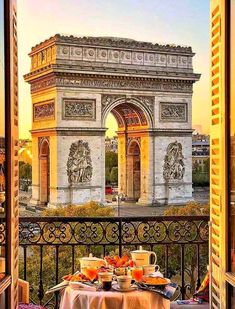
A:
x: 35, y: 200
x: 122, y: 162
x: 79, y: 181
x: 173, y: 170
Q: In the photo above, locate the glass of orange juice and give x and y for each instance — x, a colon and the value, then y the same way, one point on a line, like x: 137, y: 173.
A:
x: 91, y: 273
x: 137, y: 273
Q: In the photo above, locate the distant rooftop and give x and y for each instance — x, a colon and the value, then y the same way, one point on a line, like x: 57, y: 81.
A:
x: 115, y: 42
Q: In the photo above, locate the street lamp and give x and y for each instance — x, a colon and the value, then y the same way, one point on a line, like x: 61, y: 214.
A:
x: 120, y: 197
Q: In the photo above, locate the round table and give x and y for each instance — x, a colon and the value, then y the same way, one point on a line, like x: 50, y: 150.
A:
x: 82, y: 299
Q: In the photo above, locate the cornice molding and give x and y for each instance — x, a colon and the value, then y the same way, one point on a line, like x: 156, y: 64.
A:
x: 96, y: 81
x: 93, y: 69
x: 70, y: 131
x: 113, y: 42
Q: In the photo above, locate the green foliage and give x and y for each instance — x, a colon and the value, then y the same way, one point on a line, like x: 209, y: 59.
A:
x: 201, y: 176
x: 191, y: 209
x: 25, y: 175
x: 89, y: 209
x: 114, y: 175
x: 107, y: 175
x: 201, y: 179
x: 111, y: 161
x: 25, y: 170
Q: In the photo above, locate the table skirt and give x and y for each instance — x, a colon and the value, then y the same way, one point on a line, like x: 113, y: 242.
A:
x: 80, y: 299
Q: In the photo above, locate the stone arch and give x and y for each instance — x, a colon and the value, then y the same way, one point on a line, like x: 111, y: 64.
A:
x: 44, y: 171
x: 153, y: 87
x: 135, y: 102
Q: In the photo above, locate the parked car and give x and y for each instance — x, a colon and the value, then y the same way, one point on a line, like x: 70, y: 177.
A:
x: 108, y: 190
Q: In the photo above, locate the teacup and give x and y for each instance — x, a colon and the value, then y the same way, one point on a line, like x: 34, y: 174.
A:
x: 149, y: 269
x: 120, y: 271
x: 124, y: 282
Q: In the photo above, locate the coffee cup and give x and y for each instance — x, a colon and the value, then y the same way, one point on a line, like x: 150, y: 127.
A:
x: 149, y: 269
x: 105, y: 276
x: 124, y: 282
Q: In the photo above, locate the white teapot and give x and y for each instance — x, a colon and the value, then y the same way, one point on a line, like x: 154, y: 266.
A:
x: 141, y: 257
x: 91, y: 261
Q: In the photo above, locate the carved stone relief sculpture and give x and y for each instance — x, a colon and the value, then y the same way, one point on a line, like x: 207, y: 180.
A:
x: 173, y: 168
x: 173, y: 112
x: 74, y: 109
x: 108, y: 99
x: 79, y: 165
x: 44, y: 110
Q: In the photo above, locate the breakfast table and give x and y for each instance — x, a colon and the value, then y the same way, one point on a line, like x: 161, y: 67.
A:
x: 73, y: 298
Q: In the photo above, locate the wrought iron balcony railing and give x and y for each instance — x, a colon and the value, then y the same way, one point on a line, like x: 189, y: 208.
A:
x: 50, y: 247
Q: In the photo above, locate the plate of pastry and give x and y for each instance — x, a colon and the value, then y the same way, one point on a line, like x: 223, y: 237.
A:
x: 156, y: 281
x: 77, y: 277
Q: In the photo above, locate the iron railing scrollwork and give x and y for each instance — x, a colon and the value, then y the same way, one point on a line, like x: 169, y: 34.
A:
x: 51, y: 246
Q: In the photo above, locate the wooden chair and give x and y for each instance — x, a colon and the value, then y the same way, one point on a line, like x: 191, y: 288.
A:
x: 23, y: 290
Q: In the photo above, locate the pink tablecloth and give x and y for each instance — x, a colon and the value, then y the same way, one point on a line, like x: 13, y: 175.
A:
x: 80, y: 299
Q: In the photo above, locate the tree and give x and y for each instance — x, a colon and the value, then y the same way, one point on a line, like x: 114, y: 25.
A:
x: 191, y: 209
x: 201, y: 175
x: 114, y: 175
x: 107, y: 175
x: 111, y: 160
x: 25, y: 175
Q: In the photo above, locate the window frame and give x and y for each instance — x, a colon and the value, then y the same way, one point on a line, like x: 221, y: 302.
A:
x: 9, y: 282
x: 229, y: 276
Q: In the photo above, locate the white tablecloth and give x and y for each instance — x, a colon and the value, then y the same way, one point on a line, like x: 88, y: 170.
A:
x: 81, y: 299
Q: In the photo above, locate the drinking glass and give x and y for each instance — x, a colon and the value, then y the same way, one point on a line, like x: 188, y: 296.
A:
x: 91, y: 273
x: 137, y: 273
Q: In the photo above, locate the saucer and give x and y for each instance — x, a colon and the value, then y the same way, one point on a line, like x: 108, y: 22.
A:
x: 116, y: 287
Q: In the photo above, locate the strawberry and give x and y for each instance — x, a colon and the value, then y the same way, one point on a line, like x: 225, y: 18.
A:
x: 131, y: 263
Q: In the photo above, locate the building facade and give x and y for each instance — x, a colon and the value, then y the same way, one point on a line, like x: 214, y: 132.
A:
x: 111, y: 144
x: 201, y: 153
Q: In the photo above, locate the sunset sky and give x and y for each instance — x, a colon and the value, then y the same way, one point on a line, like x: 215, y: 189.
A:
x: 183, y: 22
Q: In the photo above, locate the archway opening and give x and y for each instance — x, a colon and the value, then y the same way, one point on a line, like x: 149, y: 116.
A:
x: 44, y: 162
x: 111, y: 158
x: 133, y: 172
x: 131, y: 125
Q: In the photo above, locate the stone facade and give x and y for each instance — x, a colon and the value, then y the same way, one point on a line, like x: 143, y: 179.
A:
x: 76, y: 82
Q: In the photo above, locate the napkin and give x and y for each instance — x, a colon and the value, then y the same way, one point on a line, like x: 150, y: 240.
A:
x: 82, y: 286
x: 156, y: 274
x: 167, y: 292
x: 58, y: 287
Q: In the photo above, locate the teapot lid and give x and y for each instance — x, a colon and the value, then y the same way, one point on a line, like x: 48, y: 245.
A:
x: 90, y: 258
x: 140, y: 250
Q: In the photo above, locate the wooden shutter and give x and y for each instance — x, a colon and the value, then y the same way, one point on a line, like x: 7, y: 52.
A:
x: 11, y: 134
x: 217, y: 156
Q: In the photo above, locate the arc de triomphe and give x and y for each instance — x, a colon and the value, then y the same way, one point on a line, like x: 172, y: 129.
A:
x: 75, y: 82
